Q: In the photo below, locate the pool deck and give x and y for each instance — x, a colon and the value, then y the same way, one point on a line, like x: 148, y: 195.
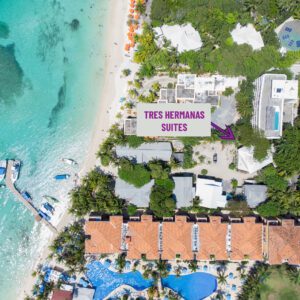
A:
x: 10, y: 185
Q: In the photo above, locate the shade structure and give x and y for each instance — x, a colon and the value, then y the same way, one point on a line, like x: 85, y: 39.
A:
x: 127, y: 47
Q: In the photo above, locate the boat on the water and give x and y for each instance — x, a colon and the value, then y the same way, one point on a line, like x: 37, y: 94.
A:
x: 26, y: 196
x: 61, y: 176
x: 3, y: 166
x: 44, y: 215
x: 69, y: 161
x: 15, y: 170
x: 50, y: 198
x: 49, y: 207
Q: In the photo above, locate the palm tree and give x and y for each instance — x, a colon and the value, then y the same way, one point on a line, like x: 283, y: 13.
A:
x: 161, y: 267
x: 177, y: 270
x: 121, y: 262
x: 242, y: 266
x: 294, y: 275
x: 222, y: 278
x: 193, y: 265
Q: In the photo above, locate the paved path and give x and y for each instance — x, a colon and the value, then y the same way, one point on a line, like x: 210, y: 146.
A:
x: 28, y: 204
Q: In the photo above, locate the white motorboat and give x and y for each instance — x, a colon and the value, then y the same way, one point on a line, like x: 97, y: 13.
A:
x: 15, y: 170
x: 3, y: 166
x: 69, y: 161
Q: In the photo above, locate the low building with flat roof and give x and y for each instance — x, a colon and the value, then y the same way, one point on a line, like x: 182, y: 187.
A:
x: 142, y: 238
x: 212, y: 239
x: 177, y: 239
x: 275, y: 102
x: 137, y: 196
x: 247, y: 162
x: 146, y: 152
x: 130, y: 126
x: 103, y: 237
x: 210, y: 192
x: 255, y: 194
x: 284, y: 243
x: 81, y: 293
x: 246, y: 240
x: 61, y: 295
x: 184, y: 192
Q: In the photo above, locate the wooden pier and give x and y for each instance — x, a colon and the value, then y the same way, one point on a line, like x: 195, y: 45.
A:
x: 28, y: 204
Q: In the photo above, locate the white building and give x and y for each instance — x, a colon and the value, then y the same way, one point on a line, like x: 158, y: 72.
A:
x: 202, y: 89
x: 210, y: 193
x: 247, y: 162
x: 182, y: 37
x: 275, y: 102
x: 247, y: 35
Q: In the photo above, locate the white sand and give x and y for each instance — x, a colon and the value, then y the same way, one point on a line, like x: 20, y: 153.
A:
x: 113, y: 87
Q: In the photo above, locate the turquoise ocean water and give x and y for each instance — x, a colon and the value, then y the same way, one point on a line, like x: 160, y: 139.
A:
x: 50, y: 78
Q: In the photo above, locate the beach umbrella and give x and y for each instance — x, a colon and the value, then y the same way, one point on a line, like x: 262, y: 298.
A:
x: 127, y: 47
x: 132, y: 44
x: 132, y: 5
x: 136, y: 17
x: 131, y: 10
x: 131, y: 28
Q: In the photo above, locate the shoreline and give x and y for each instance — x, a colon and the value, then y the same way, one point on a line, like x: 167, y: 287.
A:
x: 107, y: 106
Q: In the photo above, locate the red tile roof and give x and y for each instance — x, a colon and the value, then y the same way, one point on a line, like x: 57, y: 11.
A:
x: 177, y: 239
x: 61, y: 295
x: 284, y: 243
x: 142, y: 238
x: 105, y: 236
x: 246, y: 240
x: 212, y: 237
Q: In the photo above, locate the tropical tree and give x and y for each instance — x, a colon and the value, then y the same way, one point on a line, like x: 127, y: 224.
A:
x: 121, y: 262
x: 178, y: 270
x: 193, y: 265
x: 222, y: 278
x: 162, y: 268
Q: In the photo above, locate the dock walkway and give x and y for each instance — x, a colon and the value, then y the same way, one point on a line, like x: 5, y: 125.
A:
x: 28, y: 204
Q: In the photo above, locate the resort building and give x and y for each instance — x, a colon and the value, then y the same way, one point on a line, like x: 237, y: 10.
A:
x: 247, y: 162
x: 212, y: 237
x: 81, y: 293
x: 61, y: 295
x: 137, y: 196
x: 193, y: 89
x: 184, y: 192
x: 146, y: 152
x: 284, y: 242
x: 130, y: 126
x: 142, y: 238
x: 246, y: 240
x: 204, y: 238
x: 182, y: 37
x: 177, y: 239
x: 104, y: 236
x: 255, y: 194
x: 275, y: 102
x: 210, y: 192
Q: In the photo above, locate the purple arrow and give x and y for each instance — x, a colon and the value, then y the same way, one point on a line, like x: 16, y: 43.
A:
x: 227, y: 133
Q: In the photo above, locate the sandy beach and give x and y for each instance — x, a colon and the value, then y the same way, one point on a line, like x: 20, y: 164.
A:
x: 112, y: 88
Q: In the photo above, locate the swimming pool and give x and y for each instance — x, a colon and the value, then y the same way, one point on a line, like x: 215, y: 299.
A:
x: 276, y: 120
x: 289, y: 35
x: 195, y: 286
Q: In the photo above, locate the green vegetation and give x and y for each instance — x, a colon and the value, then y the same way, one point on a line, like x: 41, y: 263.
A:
x: 131, y: 209
x: 95, y: 194
x: 68, y: 247
x: 188, y: 161
x: 228, y: 91
x: 126, y: 72
x: 265, y: 282
x: 287, y: 150
x: 135, y: 174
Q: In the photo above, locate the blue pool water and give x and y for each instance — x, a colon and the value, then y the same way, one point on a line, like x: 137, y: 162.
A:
x: 289, y: 35
x: 276, y: 121
x: 195, y: 286
x: 106, y: 281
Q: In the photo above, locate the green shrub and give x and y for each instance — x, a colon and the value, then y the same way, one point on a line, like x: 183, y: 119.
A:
x: 135, y: 174
x: 131, y: 209
x: 204, y: 172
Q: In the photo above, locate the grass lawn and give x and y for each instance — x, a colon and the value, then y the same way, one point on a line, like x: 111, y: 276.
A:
x: 278, y: 287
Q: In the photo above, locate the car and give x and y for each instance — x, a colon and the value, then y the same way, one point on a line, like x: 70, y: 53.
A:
x: 215, y: 157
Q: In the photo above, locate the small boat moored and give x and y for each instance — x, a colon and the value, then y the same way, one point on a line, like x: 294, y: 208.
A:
x: 49, y: 207
x: 61, y: 176
x: 15, y: 170
x: 3, y: 166
x: 44, y: 215
x: 50, y: 198
x: 69, y: 161
x: 26, y: 196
